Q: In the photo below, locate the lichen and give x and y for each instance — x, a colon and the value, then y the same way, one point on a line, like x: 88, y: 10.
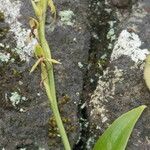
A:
x: 111, y: 36
x: 4, y: 57
x: 16, y: 98
x: 129, y: 44
x: 40, y: 148
x: 11, y: 10
x: 103, y: 93
x: 90, y: 142
x: 66, y: 17
x: 80, y: 65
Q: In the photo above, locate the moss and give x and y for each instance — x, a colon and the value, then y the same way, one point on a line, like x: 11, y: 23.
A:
x: 65, y: 99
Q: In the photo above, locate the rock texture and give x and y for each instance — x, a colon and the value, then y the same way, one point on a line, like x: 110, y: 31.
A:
x: 121, y: 3
x: 107, y: 42
x: 122, y: 87
x: 25, y: 117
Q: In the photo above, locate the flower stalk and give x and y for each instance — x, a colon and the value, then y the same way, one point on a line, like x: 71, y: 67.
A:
x: 43, y: 54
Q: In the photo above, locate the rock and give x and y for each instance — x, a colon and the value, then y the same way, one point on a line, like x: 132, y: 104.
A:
x: 27, y: 124
x: 121, y: 3
x: 122, y: 87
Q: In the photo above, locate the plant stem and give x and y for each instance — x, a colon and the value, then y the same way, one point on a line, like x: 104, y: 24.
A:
x: 50, y: 83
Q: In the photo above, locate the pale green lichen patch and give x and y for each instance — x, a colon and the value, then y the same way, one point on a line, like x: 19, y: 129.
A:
x: 24, y: 47
x: 129, y: 44
x: 80, y: 65
x: 103, y: 93
x: 66, y: 17
x: 16, y: 98
x: 111, y: 34
x: 4, y: 57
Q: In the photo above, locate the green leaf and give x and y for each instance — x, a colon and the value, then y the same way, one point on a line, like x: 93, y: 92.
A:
x: 117, y: 135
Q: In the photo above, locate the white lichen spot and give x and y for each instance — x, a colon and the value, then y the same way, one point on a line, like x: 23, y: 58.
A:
x: 108, y: 10
x: 95, y: 35
x: 75, y: 39
x: 110, y: 46
x: 90, y: 142
x: 20, y: 83
x: 16, y: 98
x: 83, y: 106
x: 80, y: 65
x: 91, y: 80
x: 2, y: 45
x: 22, y: 110
x: 148, y: 139
x: 104, y: 119
x: 4, y: 57
x: 22, y: 149
x: 38, y: 94
x: 11, y: 10
x: 77, y: 93
x: 129, y: 44
x: 111, y: 33
x: 12, y: 60
x: 66, y: 17
x: 40, y: 148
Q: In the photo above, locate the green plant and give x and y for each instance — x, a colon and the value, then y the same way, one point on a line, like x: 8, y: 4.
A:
x: 117, y: 135
x: 43, y: 54
x: 147, y: 71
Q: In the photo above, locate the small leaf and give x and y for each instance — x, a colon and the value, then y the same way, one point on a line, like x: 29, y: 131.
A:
x: 52, y: 7
x: 53, y: 61
x: 35, y: 65
x: 117, y: 135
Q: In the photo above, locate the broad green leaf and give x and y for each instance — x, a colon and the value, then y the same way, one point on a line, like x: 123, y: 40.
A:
x: 117, y: 135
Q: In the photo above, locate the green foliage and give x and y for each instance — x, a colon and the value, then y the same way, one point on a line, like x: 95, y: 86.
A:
x: 43, y: 54
x: 117, y: 135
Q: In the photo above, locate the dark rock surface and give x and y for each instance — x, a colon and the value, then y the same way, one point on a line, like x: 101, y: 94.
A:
x: 29, y: 124
x: 122, y: 87
x: 102, y: 51
x: 121, y: 3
